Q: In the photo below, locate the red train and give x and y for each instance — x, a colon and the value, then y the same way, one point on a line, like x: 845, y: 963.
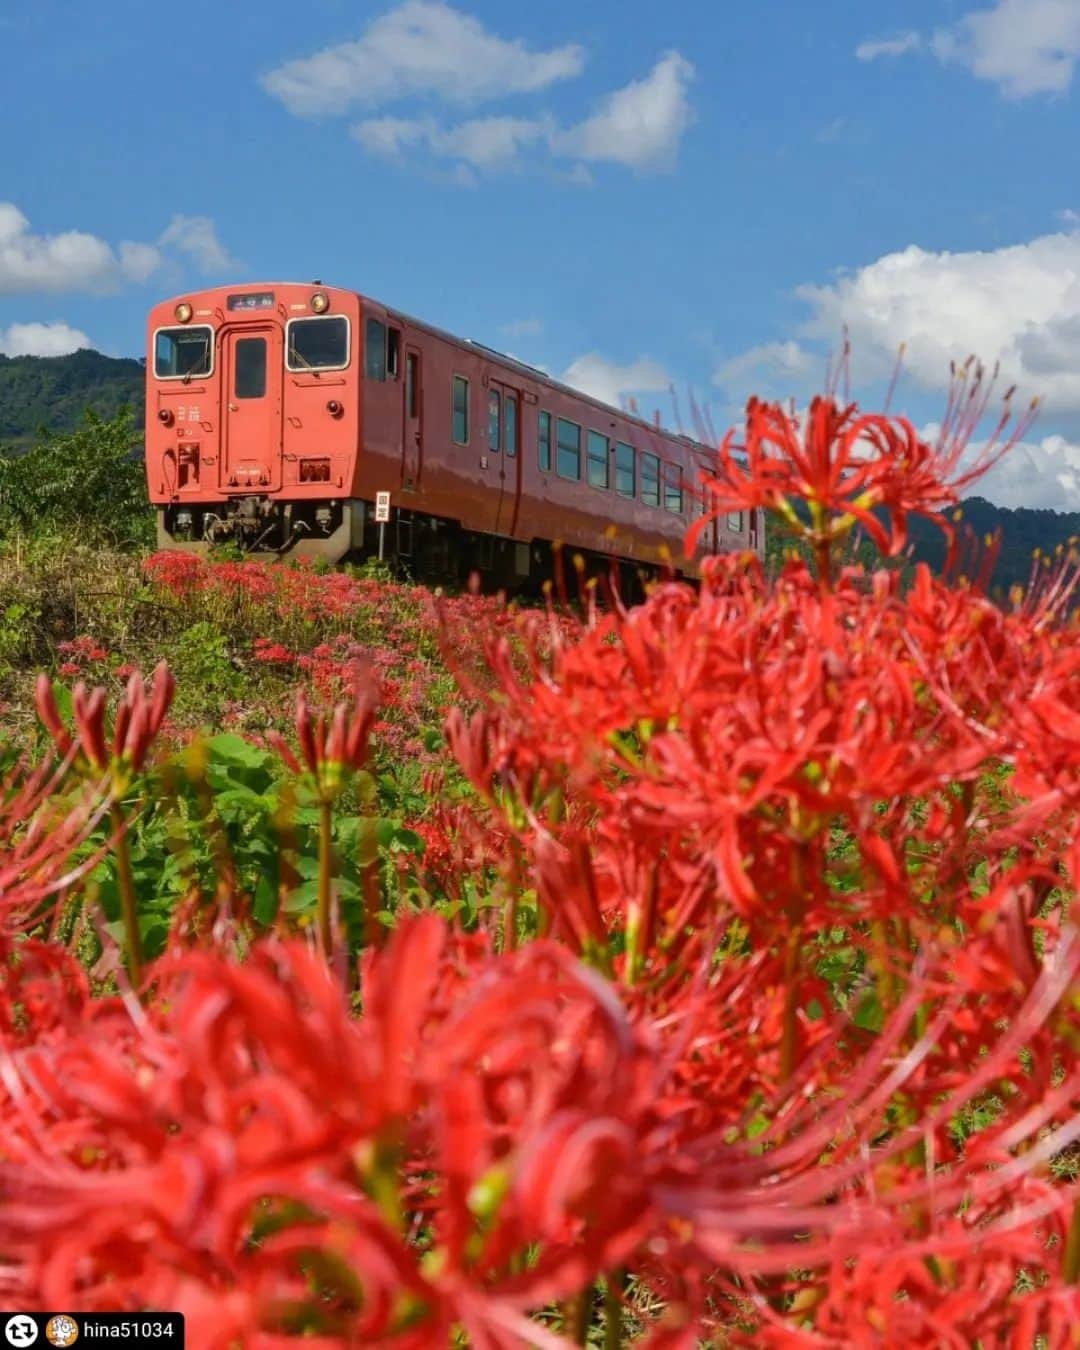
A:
x: 276, y: 414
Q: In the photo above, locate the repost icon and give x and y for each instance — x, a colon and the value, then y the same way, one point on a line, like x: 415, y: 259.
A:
x: 20, y: 1330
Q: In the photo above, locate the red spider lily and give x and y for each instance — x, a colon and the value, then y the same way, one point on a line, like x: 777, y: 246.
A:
x: 331, y: 754
x: 815, y: 1082
x: 246, y: 1132
x: 250, y: 1102
x: 329, y: 749
x: 850, y: 467
x: 136, y: 723
x: 41, y: 830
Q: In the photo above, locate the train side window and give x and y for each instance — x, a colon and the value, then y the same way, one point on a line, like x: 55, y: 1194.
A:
x: 494, y: 418
x: 249, y: 377
x: 461, y: 411
x: 375, y: 350
x: 510, y: 425
x: 543, y: 442
x: 625, y: 485
x: 412, y: 403
x: 650, y: 479
x: 393, y: 351
x: 673, y: 488
x: 569, y: 446
x: 734, y: 521
x: 598, y: 449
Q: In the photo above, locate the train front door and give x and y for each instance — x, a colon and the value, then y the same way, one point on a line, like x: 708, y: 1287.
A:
x: 412, y: 436
x: 251, y: 450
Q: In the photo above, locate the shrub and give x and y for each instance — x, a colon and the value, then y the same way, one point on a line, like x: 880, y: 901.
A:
x: 92, y: 480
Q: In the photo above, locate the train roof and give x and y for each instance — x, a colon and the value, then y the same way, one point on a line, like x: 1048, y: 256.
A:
x: 542, y: 377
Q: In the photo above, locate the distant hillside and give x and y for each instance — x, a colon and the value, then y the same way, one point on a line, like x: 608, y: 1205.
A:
x: 1023, y: 531
x: 54, y: 391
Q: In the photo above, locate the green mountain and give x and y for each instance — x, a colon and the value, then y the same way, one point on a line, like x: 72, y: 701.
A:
x: 1023, y: 530
x: 53, y: 392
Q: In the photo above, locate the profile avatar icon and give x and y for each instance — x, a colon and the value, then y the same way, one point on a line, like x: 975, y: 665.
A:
x: 61, y: 1330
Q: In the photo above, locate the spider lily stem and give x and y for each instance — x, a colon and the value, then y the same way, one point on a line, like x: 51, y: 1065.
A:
x: 128, y: 907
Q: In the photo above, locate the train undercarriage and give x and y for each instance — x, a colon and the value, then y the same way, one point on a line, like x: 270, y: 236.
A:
x: 423, y: 547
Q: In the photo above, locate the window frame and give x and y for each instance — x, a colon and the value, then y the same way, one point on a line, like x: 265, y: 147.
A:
x: 511, y: 401
x: 250, y: 337
x: 625, y: 445
x: 318, y: 318
x: 734, y: 529
x: 645, y: 457
x: 569, y: 478
x: 591, y: 459
x: 494, y: 405
x: 454, y: 380
x: 668, y: 485
x: 540, y: 445
x: 185, y: 328
x: 370, y: 319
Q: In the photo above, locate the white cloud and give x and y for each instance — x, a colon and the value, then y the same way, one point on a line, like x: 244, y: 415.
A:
x: 1069, y: 216
x: 421, y: 47
x: 42, y: 339
x: 484, y: 143
x: 71, y: 261
x: 524, y: 328
x: 639, y: 125
x: 1019, y: 305
x: 773, y: 369
x: 138, y: 262
x: 77, y: 261
x: 1023, y: 46
x: 426, y: 50
x: 895, y: 46
x: 1043, y: 473
x: 196, y: 236
x: 609, y: 383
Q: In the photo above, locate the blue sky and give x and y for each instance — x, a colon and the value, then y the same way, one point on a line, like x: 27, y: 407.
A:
x: 627, y: 194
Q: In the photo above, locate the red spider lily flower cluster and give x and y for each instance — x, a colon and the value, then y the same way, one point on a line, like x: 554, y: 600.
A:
x: 767, y: 1034
x: 330, y: 748
x: 493, y: 1134
x: 136, y: 721
x: 848, y: 467
x: 80, y: 654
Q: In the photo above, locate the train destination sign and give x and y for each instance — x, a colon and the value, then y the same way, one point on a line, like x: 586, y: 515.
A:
x: 253, y: 300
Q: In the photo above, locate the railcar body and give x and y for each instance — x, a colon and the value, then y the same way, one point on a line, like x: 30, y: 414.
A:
x: 277, y: 412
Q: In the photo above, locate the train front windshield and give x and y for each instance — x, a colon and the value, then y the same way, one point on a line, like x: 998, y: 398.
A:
x: 180, y: 353
x: 318, y: 344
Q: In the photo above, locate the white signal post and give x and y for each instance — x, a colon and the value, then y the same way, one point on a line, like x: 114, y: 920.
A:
x: 382, y: 515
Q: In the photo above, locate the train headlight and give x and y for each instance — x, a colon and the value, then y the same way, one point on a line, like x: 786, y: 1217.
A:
x: 320, y: 302
x: 182, y: 312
